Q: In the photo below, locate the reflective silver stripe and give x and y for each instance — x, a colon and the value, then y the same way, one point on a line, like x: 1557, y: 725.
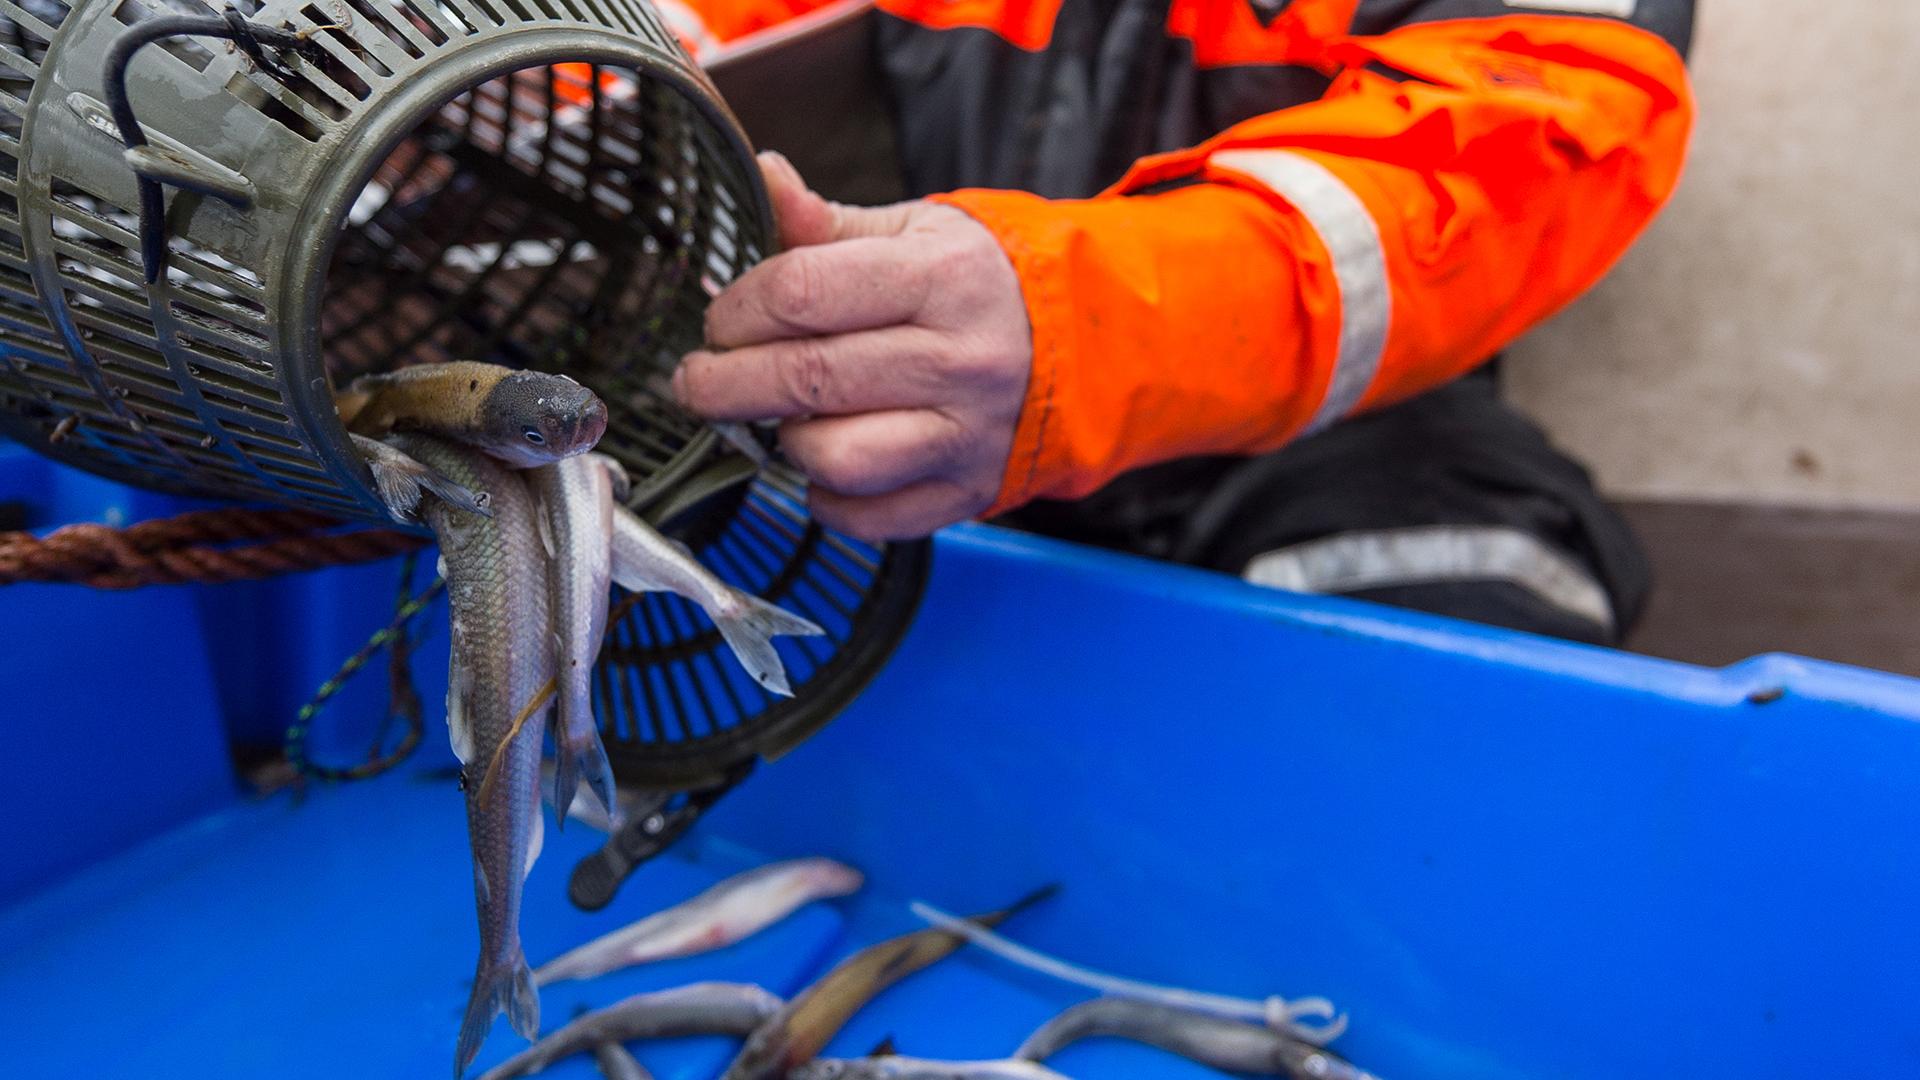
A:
x: 1619, y: 9
x: 1430, y: 554
x: 1359, y: 264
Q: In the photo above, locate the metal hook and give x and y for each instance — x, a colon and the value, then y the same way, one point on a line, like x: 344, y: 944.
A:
x: 155, y: 168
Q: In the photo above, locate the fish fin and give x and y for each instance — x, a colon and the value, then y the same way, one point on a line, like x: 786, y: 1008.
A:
x: 503, y: 987
x: 536, y: 839
x: 597, y: 773
x: 481, y: 889
x: 542, y: 516
x: 582, y: 762
x: 616, y: 476
x: 400, y: 479
x: 523, y: 1001
x: 459, y: 731
x: 396, y: 477
x: 458, y: 496
x: 884, y: 1048
x: 750, y: 631
x: 566, y: 785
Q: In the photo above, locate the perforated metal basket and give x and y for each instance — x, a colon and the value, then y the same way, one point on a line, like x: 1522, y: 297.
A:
x: 540, y: 183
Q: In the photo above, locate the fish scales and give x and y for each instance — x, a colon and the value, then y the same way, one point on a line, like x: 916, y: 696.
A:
x: 502, y: 665
x: 617, y: 1064
x: 576, y: 500
x: 699, y: 1009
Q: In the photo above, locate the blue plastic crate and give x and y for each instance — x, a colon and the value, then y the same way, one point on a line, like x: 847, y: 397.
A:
x: 1505, y: 857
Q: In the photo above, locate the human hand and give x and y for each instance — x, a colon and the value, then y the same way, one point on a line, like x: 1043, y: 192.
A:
x: 891, y: 342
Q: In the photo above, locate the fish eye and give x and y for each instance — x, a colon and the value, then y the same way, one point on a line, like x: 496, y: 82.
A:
x: 532, y: 435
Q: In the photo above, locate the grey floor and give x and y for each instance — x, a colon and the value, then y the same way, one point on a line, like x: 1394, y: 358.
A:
x: 1734, y: 581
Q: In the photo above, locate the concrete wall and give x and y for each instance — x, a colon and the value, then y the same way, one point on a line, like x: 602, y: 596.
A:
x: 1762, y: 342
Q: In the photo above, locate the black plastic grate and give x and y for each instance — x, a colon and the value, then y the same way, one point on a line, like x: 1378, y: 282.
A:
x: 679, y: 711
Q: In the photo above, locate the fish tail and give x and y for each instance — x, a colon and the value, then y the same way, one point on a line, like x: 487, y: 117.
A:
x: 749, y: 630
x: 1040, y: 895
x: 566, y: 777
x: 523, y: 1001
x: 498, y: 987
x: 581, y: 757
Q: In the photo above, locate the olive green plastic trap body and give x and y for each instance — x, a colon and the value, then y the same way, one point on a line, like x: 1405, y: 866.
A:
x: 539, y: 183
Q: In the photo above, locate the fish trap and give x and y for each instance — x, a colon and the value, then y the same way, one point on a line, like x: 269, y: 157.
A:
x: 209, y: 217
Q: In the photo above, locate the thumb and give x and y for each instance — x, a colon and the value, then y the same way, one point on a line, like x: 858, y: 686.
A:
x: 805, y: 218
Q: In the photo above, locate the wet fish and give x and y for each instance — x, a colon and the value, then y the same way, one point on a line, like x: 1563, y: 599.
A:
x: 499, y: 680
x: 890, y: 1067
x: 400, y: 480
x: 616, y: 1063
x: 710, y: 1008
x: 589, y: 812
x: 1228, y: 1045
x: 736, y: 908
x: 816, y: 1014
x: 576, y: 500
x: 646, y: 561
x: 524, y: 418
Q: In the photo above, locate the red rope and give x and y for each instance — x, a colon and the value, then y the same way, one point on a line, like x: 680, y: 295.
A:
x: 200, y: 546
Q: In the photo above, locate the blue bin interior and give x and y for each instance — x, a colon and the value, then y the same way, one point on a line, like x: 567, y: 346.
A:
x: 1504, y: 857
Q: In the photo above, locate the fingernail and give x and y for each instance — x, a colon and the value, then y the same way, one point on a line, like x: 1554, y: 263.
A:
x: 777, y: 162
x: 679, y: 384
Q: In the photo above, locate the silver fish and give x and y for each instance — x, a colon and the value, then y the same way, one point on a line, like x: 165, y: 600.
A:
x: 400, y: 480
x: 736, y: 908
x: 646, y: 561
x: 576, y: 500
x: 709, y: 1008
x: 499, y: 681
x: 1228, y: 1045
x: 616, y: 1063
x: 894, y: 1067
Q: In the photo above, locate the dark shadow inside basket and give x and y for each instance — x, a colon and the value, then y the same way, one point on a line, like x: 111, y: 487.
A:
x: 569, y: 217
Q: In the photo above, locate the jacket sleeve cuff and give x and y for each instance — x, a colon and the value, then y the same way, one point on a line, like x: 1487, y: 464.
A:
x: 1159, y: 330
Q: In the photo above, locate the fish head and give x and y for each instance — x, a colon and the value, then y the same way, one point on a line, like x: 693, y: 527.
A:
x: 534, y: 418
x: 827, y: 877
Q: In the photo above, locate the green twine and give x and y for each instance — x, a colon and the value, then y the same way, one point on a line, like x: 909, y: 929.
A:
x: 403, y: 699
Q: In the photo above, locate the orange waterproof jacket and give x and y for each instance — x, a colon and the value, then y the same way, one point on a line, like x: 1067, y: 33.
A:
x: 1325, y: 206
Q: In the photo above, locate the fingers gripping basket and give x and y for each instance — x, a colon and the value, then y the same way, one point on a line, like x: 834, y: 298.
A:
x: 540, y: 183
